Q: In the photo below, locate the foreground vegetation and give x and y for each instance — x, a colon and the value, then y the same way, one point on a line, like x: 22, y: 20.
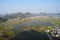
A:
x: 6, y: 31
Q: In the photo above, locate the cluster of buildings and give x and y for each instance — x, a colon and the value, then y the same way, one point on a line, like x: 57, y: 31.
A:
x: 55, y: 32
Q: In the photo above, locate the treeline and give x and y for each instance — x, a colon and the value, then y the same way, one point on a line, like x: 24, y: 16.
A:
x: 49, y: 14
x: 18, y: 14
x: 3, y: 19
x: 27, y: 14
x: 15, y: 15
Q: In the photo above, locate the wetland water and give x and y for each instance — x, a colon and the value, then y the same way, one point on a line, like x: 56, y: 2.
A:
x: 32, y: 23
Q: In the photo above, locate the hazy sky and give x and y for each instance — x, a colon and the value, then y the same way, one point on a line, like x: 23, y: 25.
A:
x: 35, y: 6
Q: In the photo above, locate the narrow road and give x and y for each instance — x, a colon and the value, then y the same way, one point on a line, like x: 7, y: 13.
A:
x: 48, y: 35
x: 51, y: 37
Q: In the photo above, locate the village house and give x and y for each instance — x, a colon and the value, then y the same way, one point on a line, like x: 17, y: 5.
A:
x: 55, y: 32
